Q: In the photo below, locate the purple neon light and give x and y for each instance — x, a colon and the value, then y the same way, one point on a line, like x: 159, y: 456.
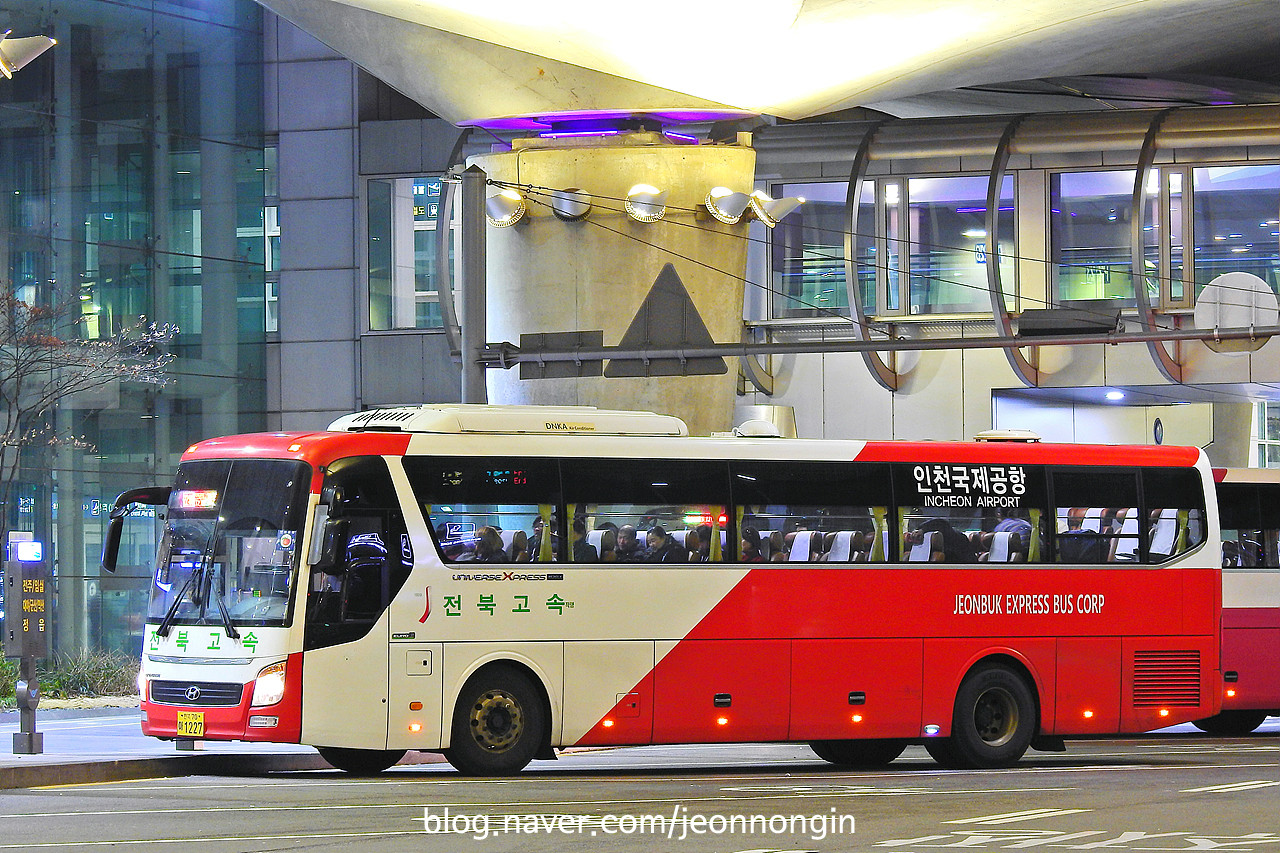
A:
x: 544, y: 121
x: 566, y: 134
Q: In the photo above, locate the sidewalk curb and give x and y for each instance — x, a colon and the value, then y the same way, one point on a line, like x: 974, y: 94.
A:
x: 127, y: 769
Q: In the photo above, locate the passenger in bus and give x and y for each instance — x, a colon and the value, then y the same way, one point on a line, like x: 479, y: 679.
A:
x: 1077, y: 545
x: 628, y: 549
x: 489, y: 546
x: 535, y: 541
x: 777, y: 547
x: 956, y: 547
x: 701, y: 550
x: 583, y: 551
x: 663, y: 548
x: 751, y: 546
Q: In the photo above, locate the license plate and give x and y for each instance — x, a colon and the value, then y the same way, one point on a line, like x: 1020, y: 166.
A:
x: 190, y: 724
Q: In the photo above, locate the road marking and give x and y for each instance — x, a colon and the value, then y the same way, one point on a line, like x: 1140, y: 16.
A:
x: 1015, y: 817
x: 1232, y: 786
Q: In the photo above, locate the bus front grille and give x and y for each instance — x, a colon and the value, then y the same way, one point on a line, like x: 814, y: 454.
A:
x: 1166, y: 678
x: 203, y: 693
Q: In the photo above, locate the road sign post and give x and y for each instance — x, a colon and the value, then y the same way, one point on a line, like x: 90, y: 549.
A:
x: 26, y: 637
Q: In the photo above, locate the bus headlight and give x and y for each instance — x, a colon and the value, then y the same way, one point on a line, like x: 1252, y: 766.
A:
x: 268, y: 689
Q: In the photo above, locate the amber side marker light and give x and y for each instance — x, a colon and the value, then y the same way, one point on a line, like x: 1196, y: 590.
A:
x: 722, y: 721
x: 1088, y: 715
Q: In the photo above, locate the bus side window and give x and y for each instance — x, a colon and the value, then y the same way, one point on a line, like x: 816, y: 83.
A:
x: 489, y: 510
x: 1175, y: 516
x: 806, y: 512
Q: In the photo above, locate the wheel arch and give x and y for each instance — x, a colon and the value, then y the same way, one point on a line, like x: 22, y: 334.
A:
x: 1012, y: 660
x: 525, y: 664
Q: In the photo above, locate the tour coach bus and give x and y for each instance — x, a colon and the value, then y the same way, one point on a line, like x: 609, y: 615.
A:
x: 495, y: 582
x: 1249, y: 504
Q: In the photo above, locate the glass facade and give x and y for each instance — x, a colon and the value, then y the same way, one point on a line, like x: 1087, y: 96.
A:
x: 919, y: 242
x: 1237, y: 212
x: 1089, y: 226
x: 402, y: 218
x: 134, y: 166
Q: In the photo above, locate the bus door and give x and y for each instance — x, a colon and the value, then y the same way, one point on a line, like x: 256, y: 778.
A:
x: 364, y: 559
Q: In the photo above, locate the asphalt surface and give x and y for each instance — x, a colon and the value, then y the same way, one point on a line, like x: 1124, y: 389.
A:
x: 1176, y: 791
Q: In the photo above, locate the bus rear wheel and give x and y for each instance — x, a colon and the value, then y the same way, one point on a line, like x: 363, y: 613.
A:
x: 994, y: 720
x: 499, y: 723
x: 360, y: 762
x: 1234, y: 723
x: 858, y: 753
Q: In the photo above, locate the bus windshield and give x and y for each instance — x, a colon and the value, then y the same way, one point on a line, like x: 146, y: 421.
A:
x: 229, y: 553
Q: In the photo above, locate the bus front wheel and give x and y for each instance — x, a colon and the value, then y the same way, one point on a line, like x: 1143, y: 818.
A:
x: 858, y: 753
x: 499, y: 723
x: 1232, y: 723
x: 994, y: 720
x: 360, y: 762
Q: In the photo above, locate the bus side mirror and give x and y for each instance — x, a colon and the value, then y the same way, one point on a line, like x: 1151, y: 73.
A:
x: 151, y: 495
x: 333, y: 545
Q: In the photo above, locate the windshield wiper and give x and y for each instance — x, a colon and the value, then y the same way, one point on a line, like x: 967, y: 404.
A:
x: 162, y: 630
x: 222, y: 607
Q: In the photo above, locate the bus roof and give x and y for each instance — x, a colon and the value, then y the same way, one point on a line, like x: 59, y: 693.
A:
x: 517, y: 420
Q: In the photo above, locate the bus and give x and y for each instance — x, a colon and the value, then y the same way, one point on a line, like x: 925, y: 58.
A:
x: 494, y: 583
x: 1249, y: 507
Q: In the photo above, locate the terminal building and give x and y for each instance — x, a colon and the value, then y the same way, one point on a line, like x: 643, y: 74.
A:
x: 279, y: 181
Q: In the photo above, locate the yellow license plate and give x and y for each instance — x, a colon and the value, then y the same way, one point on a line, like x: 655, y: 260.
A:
x: 191, y: 724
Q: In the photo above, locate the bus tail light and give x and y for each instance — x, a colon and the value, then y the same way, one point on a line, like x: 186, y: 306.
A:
x: 268, y: 688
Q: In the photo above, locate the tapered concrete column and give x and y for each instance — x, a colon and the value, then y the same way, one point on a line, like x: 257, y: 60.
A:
x: 550, y: 275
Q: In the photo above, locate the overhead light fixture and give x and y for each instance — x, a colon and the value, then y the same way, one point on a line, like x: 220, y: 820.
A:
x: 505, y: 209
x: 570, y: 204
x: 15, y: 53
x: 771, y: 210
x: 645, y: 203
x: 1115, y: 395
x: 726, y: 205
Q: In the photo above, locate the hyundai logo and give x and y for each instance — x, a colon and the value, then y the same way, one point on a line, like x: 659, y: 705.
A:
x: 193, y: 693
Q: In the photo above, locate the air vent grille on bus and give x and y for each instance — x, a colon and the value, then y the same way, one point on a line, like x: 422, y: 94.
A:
x: 1166, y: 678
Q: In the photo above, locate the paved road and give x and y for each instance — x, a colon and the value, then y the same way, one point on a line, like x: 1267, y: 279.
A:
x: 1166, y: 793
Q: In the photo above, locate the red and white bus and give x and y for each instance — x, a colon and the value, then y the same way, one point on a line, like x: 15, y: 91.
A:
x: 1249, y: 505
x: 461, y: 579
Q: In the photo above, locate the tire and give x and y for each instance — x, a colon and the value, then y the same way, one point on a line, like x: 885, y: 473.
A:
x: 943, y: 751
x: 499, y: 723
x: 1232, y: 723
x: 995, y: 718
x: 858, y: 753
x: 360, y: 762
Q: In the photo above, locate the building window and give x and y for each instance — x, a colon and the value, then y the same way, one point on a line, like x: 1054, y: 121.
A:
x: 1089, y: 223
x: 1265, y: 447
x: 807, y: 253
x: 949, y: 245
x: 932, y: 228
x: 402, y: 221
x: 1237, y: 222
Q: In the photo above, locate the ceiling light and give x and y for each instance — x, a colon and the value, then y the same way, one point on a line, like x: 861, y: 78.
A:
x: 505, y: 209
x: 570, y: 204
x: 726, y: 205
x: 15, y: 53
x: 1115, y: 395
x: 770, y: 210
x: 645, y: 203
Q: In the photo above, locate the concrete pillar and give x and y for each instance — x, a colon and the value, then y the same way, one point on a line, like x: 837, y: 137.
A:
x: 550, y: 275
